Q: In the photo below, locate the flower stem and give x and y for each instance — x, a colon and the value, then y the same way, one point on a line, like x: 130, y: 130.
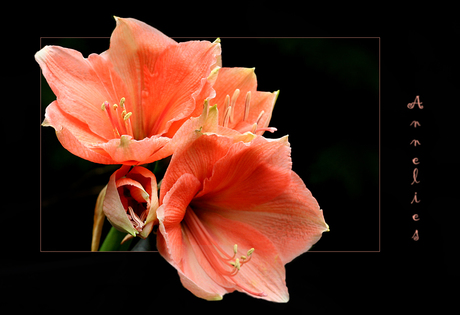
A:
x: 112, y: 241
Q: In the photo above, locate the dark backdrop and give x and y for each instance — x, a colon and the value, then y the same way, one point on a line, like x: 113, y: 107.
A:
x: 329, y: 106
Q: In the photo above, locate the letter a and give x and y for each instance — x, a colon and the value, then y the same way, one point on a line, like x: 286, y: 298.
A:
x: 415, y: 102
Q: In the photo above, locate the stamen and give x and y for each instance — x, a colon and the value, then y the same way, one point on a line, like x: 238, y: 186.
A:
x: 120, y: 121
x: 138, y: 224
x: 227, y: 116
x: 260, y: 117
x: 237, y: 264
x: 226, y: 102
x: 233, y: 102
x: 247, y: 102
x: 106, y: 107
x: 126, y: 117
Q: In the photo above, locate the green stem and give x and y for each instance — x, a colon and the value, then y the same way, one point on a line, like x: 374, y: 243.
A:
x: 112, y: 241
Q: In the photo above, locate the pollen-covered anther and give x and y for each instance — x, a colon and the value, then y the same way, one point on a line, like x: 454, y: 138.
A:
x: 240, y: 261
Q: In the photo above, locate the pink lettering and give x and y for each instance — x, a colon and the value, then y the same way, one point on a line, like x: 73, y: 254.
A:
x: 415, y: 199
x: 415, y: 174
x: 415, y: 102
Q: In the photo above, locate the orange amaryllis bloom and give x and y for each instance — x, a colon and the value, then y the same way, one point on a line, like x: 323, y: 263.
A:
x: 124, y: 105
x: 232, y: 214
x: 131, y: 200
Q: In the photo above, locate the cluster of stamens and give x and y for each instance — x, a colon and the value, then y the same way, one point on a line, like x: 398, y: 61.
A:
x: 240, y: 261
x: 137, y: 222
x: 229, y: 109
x: 119, y: 118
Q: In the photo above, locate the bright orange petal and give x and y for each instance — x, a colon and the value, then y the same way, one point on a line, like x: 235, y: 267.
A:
x: 197, y: 160
x: 248, y: 174
x: 192, y: 276
x: 82, y: 85
x: 74, y: 135
x: 180, y: 75
x: 113, y: 207
x: 172, y: 211
x: 263, y: 276
x: 292, y: 221
x: 129, y: 151
x: 134, y: 50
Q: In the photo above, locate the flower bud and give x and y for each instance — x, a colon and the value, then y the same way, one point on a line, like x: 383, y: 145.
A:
x: 131, y: 200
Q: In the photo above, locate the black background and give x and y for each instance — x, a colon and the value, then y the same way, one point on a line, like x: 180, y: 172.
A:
x: 328, y: 104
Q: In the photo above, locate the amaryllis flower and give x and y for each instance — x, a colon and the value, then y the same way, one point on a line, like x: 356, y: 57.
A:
x: 232, y: 214
x: 124, y: 105
x: 131, y: 200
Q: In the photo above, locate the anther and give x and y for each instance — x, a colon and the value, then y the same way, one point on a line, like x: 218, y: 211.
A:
x: 126, y: 117
x: 250, y: 252
x: 235, y: 248
x: 122, y: 102
x: 237, y: 264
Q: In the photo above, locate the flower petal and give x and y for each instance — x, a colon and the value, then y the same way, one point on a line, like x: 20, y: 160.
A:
x: 171, y: 213
x: 149, y: 182
x: 248, y: 174
x: 126, y: 150
x: 193, y: 276
x: 135, y: 188
x: 98, y: 220
x: 113, y: 207
x: 81, y: 85
x: 134, y: 50
x: 292, y: 221
x: 179, y: 77
x: 264, y: 275
x: 197, y: 160
x: 78, y: 141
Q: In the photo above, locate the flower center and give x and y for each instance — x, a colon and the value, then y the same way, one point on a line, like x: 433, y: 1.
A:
x: 229, y: 108
x: 119, y: 118
x: 222, y: 262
